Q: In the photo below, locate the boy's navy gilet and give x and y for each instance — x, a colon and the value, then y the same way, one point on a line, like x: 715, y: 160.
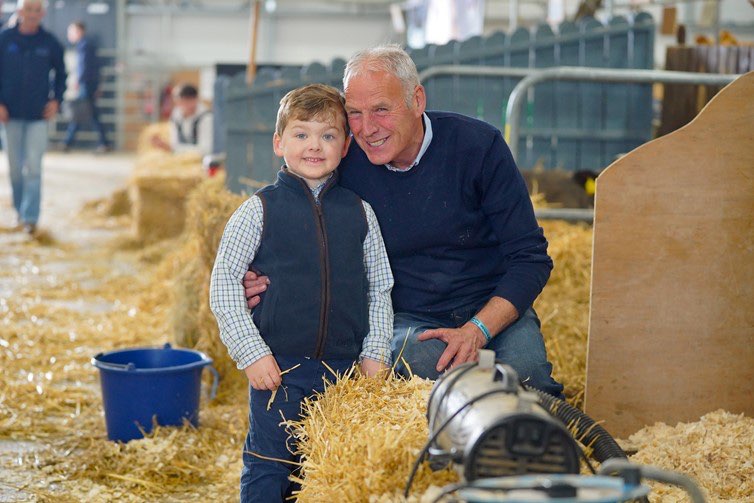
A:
x: 316, y: 303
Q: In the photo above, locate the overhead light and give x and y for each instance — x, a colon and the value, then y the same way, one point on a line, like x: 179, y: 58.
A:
x: 97, y: 8
x: 270, y: 5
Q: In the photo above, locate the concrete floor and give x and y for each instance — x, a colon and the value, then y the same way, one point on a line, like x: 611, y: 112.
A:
x: 69, y: 180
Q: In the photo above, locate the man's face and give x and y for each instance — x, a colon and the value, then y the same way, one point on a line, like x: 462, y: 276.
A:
x: 383, y: 125
x: 31, y: 15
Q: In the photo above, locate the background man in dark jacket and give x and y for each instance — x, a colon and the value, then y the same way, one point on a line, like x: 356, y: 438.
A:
x: 86, y: 86
x: 28, y: 99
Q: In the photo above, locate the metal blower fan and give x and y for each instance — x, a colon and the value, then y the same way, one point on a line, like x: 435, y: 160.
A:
x: 511, y: 445
x: 482, y: 420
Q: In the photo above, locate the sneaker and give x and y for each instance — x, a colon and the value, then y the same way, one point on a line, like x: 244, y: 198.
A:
x: 30, y: 229
x: 18, y: 225
x: 103, y: 149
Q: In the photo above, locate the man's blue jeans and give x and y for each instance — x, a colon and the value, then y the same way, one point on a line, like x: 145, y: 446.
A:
x: 520, y: 345
x: 25, y: 142
x: 266, y: 481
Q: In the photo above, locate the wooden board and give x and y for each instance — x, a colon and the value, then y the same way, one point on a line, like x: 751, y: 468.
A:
x: 671, y: 332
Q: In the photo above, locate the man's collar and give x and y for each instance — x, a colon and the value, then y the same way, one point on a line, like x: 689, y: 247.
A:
x: 422, y: 150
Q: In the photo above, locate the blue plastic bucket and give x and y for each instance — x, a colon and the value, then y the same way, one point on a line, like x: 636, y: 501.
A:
x: 145, y: 383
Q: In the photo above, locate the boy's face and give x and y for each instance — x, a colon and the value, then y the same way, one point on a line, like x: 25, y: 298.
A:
x: 312, y: 149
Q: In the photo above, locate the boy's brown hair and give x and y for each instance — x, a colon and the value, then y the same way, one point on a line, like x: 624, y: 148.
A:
x: 310, y: 102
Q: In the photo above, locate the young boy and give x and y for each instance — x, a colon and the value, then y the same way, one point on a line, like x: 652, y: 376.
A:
x: 328, y: 298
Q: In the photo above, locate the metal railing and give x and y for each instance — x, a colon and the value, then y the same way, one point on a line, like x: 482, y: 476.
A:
x: 519, y: 93
x: 475, y: 71
x: 533, y: 76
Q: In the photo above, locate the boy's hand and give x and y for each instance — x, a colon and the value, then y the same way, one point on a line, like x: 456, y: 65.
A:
x: 264, y: 374
x: 253, y: 285
x: 371, y: 368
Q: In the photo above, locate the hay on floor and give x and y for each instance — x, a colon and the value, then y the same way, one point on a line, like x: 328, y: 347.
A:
x: 563, y: 305
x: 50, y: 391
x: 717, y: 451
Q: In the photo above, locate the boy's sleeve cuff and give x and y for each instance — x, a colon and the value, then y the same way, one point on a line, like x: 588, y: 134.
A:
x: 387, y: 358
x: 246, y: 360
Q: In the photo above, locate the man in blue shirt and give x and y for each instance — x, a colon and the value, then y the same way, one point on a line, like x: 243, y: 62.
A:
x: 86, y: 86
x: 28, y: 99
x: 467, y: 254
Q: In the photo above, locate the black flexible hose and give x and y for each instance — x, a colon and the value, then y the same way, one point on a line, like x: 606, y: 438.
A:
x: 584, y: 428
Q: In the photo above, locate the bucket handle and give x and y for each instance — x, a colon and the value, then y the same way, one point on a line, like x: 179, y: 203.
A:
x: 112, y: 366
x: 215, y: 381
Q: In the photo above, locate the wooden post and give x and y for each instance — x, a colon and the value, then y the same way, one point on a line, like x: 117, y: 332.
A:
x: 251, y: 67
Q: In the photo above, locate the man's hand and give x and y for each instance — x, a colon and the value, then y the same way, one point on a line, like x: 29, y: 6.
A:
x: 463, y: 343
x: 253, y: 285
x: 371, y: 368
x: 51, y: 108
x: 264, y: 374
x: 3, y: 114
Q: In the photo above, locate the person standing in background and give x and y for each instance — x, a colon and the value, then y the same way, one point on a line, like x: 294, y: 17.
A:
x: 86, y: 87
x: 28, y: 99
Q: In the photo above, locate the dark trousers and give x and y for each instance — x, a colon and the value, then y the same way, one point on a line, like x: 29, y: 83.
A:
x: 266, y: 481
x: 87, y: 94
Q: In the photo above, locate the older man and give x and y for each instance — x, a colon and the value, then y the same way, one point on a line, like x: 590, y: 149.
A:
x: 466, y: 251
x: 28, y: 99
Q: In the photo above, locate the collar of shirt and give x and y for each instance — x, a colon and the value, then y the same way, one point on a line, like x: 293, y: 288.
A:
x: 424, y: 147
x: 316, y: 191
x: 177, y: 113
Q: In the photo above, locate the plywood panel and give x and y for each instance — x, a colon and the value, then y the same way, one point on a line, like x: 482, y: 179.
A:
x: 671, y: 333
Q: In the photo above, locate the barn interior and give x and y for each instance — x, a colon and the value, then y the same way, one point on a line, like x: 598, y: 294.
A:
x: 630, y: 123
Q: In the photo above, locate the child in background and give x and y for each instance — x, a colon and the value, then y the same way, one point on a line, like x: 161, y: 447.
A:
x: 190, y: 124
x: 328, y: 298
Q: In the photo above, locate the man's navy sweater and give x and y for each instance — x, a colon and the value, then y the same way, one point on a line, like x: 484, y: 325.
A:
x: 25, y: 64
x: 459, y: 227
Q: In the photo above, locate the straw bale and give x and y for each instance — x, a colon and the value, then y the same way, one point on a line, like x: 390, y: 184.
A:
x: 208, y: 209
x: 361, y: 438
x: 158, y: 189
x: 717, y: 451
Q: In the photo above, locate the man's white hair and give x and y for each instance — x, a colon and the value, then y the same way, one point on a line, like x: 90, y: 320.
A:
x: 389, y: 58
x: 21, y: 3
